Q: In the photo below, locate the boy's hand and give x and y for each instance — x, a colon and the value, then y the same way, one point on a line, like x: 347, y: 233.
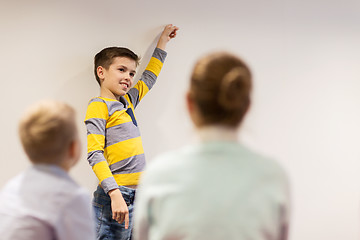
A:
x: 120, y: 211
x: 168, y: 33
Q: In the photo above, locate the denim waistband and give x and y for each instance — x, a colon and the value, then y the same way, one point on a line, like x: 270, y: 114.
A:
x: 129, y: 192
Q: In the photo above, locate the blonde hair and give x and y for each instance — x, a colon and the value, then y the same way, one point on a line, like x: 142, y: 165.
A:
x: 220, y: 86
x: 46, y: 130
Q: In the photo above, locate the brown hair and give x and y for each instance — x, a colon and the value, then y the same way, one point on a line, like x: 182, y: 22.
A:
x: 106, y: 56
x: 220, y: 87
x: 46, y: 130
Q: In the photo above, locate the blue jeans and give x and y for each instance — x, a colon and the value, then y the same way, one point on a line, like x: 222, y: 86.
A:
x: 106, y: 227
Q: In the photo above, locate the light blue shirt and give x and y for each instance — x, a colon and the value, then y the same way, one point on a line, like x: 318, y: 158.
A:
x: 217, y: 189
x: 43, y: 202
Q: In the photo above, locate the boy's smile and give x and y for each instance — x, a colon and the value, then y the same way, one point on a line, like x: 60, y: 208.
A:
x: 118, y: 79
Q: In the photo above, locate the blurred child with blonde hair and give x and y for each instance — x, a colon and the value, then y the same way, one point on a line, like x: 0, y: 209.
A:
x: 44, y: 202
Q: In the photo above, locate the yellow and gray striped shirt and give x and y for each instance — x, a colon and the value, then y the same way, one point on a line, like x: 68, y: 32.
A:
x: 115, y: 150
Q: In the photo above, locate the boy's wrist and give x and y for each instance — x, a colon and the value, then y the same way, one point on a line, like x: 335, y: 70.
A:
x: 161, y: 44
x: 114, y: 192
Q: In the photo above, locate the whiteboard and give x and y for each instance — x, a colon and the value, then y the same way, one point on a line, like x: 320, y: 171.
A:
x: 304, y: 56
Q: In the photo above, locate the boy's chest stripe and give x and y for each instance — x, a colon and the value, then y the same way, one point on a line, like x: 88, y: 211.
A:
x: 120, y: 133
x: 121, y: 115
x: 132, y: 164
x: 118, y: 117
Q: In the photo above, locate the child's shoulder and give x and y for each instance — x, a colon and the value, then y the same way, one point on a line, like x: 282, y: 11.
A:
x: 101, y: 99
x: 106, y: 101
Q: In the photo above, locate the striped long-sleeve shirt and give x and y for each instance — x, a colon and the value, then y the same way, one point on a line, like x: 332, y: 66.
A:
x: 115, y: 150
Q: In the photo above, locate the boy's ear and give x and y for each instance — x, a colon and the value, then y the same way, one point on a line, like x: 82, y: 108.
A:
x: 100, y: 72
x: 74, y: 149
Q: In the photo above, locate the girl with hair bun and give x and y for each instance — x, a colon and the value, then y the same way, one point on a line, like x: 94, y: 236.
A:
x: 217, y: 189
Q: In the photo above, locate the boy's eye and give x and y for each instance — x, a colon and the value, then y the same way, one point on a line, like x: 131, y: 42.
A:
x: 132, y: 74
x: 121, y: 69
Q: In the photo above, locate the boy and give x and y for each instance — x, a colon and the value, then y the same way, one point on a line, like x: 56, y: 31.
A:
x: 43, y: 202
x: 115, y: 150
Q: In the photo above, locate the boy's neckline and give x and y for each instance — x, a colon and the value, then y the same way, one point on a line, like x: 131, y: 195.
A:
x: 110, y: 99
x: 121, y: 100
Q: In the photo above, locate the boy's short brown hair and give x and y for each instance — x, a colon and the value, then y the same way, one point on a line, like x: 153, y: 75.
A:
x: 46, y: 130
x: 106, y: 56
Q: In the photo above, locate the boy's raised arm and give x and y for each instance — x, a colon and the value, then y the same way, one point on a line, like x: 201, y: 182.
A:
x: 154, y: 67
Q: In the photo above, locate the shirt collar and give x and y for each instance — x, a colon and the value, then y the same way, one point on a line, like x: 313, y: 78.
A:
x: 51, y: 168
x: 217, y: 133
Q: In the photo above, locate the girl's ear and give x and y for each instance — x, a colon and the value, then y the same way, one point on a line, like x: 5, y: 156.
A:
x: 192, y: 110
x: 189, y: 103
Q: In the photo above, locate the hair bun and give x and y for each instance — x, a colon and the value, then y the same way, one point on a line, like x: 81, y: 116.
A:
x: 234, y: 89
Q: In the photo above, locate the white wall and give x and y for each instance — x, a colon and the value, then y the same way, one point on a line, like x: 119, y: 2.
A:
x: 305, y: 58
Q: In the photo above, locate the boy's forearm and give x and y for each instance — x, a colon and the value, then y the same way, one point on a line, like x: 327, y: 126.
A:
x: 102, y: 170
x: 161, y: 44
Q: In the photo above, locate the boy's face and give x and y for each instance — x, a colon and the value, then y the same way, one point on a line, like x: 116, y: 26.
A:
x: 118, y: 79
